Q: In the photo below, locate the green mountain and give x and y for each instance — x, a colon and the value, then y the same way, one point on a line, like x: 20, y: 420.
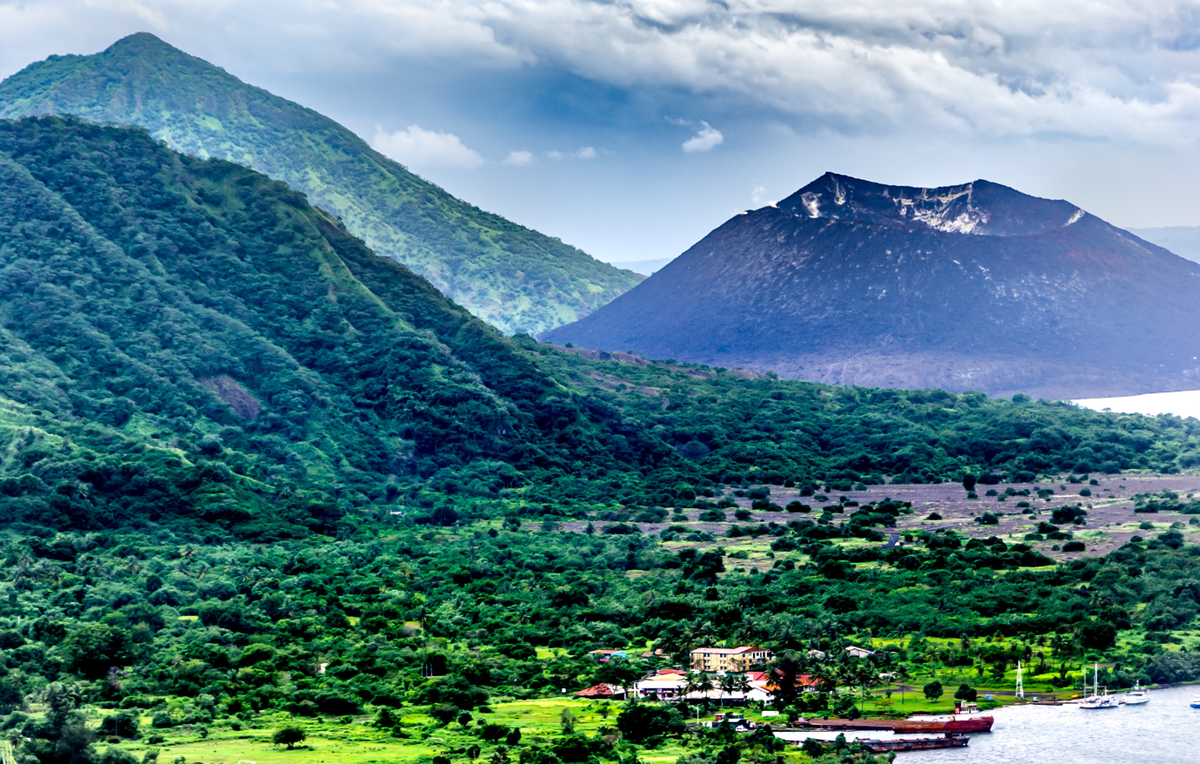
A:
x: 186, y: 341
x: 188, y: 338
x: 512, y: 277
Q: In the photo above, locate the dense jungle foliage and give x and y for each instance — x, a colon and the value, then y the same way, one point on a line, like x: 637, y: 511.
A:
x: 429, y: 625
x: 249, y: 467
x: 512, y: 277
x: 187, y: 341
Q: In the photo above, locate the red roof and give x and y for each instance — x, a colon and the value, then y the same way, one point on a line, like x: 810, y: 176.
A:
x: 600, y: 691
x: 672, y: 671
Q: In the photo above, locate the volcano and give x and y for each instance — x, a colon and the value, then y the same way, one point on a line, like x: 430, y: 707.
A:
x: 969, y: 287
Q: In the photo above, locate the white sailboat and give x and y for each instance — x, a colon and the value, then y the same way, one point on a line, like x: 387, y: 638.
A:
x: 1137, y: 696
x: 1096, y: 700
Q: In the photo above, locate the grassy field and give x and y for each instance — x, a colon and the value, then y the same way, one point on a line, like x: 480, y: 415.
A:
x: 358, y: 741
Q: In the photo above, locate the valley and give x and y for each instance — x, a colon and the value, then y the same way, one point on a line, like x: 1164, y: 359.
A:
x: 267, y: 495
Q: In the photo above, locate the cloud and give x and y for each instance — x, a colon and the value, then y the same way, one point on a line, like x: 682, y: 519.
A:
x: 519, y: 158
x: 706, y: 139
x: 1108, y: 69
x: 1087, y: 68
x: 419, y: 148
x: 586, y: 152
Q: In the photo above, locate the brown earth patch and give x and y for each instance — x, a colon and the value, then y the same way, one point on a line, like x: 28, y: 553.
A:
x: 233, y: 395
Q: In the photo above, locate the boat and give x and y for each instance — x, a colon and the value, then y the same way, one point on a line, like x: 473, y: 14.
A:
x: 904, y: 726
x: 1137, y: 696
x: 1096, y: 700
x: 1196, y: 701
x: 915, y: 744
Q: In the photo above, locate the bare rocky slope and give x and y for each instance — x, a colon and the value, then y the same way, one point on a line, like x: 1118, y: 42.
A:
x: 971, y: 287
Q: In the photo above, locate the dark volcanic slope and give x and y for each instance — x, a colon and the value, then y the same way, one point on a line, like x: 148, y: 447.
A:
x: 965, y: 287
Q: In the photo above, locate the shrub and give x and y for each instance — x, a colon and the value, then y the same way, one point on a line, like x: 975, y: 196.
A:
x: 288, y: 736
x: 640, y: 722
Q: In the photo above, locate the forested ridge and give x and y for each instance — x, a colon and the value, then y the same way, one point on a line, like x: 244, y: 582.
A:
x: 251, y: 471
x: 513, y: 277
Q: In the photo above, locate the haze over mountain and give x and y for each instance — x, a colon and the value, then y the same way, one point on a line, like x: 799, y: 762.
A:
x: 1183, y: 240
x: 510, y: 276
x: 965, y: 287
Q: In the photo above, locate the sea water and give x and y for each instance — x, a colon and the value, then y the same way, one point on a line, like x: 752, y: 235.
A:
x: 1164, y: 731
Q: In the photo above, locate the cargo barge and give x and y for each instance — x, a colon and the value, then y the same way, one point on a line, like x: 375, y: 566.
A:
x: 904, y: 726
x: 915, y: 744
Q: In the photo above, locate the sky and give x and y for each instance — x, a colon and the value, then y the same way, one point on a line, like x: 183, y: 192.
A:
x: 631, y: 128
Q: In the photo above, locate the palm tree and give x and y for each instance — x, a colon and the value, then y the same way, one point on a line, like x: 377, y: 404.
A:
x: 691, y: 683
x: 728, y: 686
x: 742, y: 683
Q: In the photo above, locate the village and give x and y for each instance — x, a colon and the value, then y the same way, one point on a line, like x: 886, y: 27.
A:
x: 719, y: 675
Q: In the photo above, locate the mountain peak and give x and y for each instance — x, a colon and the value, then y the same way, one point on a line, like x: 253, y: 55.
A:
x: 968, y: 287
x: 980, y: 207
x: 517, y: 279
x: 142, y: 40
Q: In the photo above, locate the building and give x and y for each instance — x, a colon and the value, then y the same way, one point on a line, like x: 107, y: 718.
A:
x: 854, y: 651
x: 603, y: 691
x: 604, y: 656
x: 729, y: 659
x: 667, y: 684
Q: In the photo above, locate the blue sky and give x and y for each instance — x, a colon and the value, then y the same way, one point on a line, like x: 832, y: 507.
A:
x: 631, y: 128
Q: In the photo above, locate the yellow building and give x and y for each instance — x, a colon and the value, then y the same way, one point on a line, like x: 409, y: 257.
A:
x: 729, y: 659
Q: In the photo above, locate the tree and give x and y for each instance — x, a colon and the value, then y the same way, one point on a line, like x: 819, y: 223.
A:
x: 567, y: 720
x: 968, y: 482
x: 619, y: 672
x: 491, y: 733
x: 933, y: 690
x: 967, y: 693
x: 729, y: 685
x: 288, y: 736
x: 639, y: 722
x: 784, y: 671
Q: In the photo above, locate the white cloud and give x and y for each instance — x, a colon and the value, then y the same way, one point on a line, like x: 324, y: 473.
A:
x: 1091, y: 68
x: 418, y: 148
x: 585, y: 152
x: 706, y: 139
x: 519, y: 158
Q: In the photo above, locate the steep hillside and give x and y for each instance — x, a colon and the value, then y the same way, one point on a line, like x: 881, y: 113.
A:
x: 187, y: 343
x: 512, y: 277
x: 966, y: 287
x: 188, y: 337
